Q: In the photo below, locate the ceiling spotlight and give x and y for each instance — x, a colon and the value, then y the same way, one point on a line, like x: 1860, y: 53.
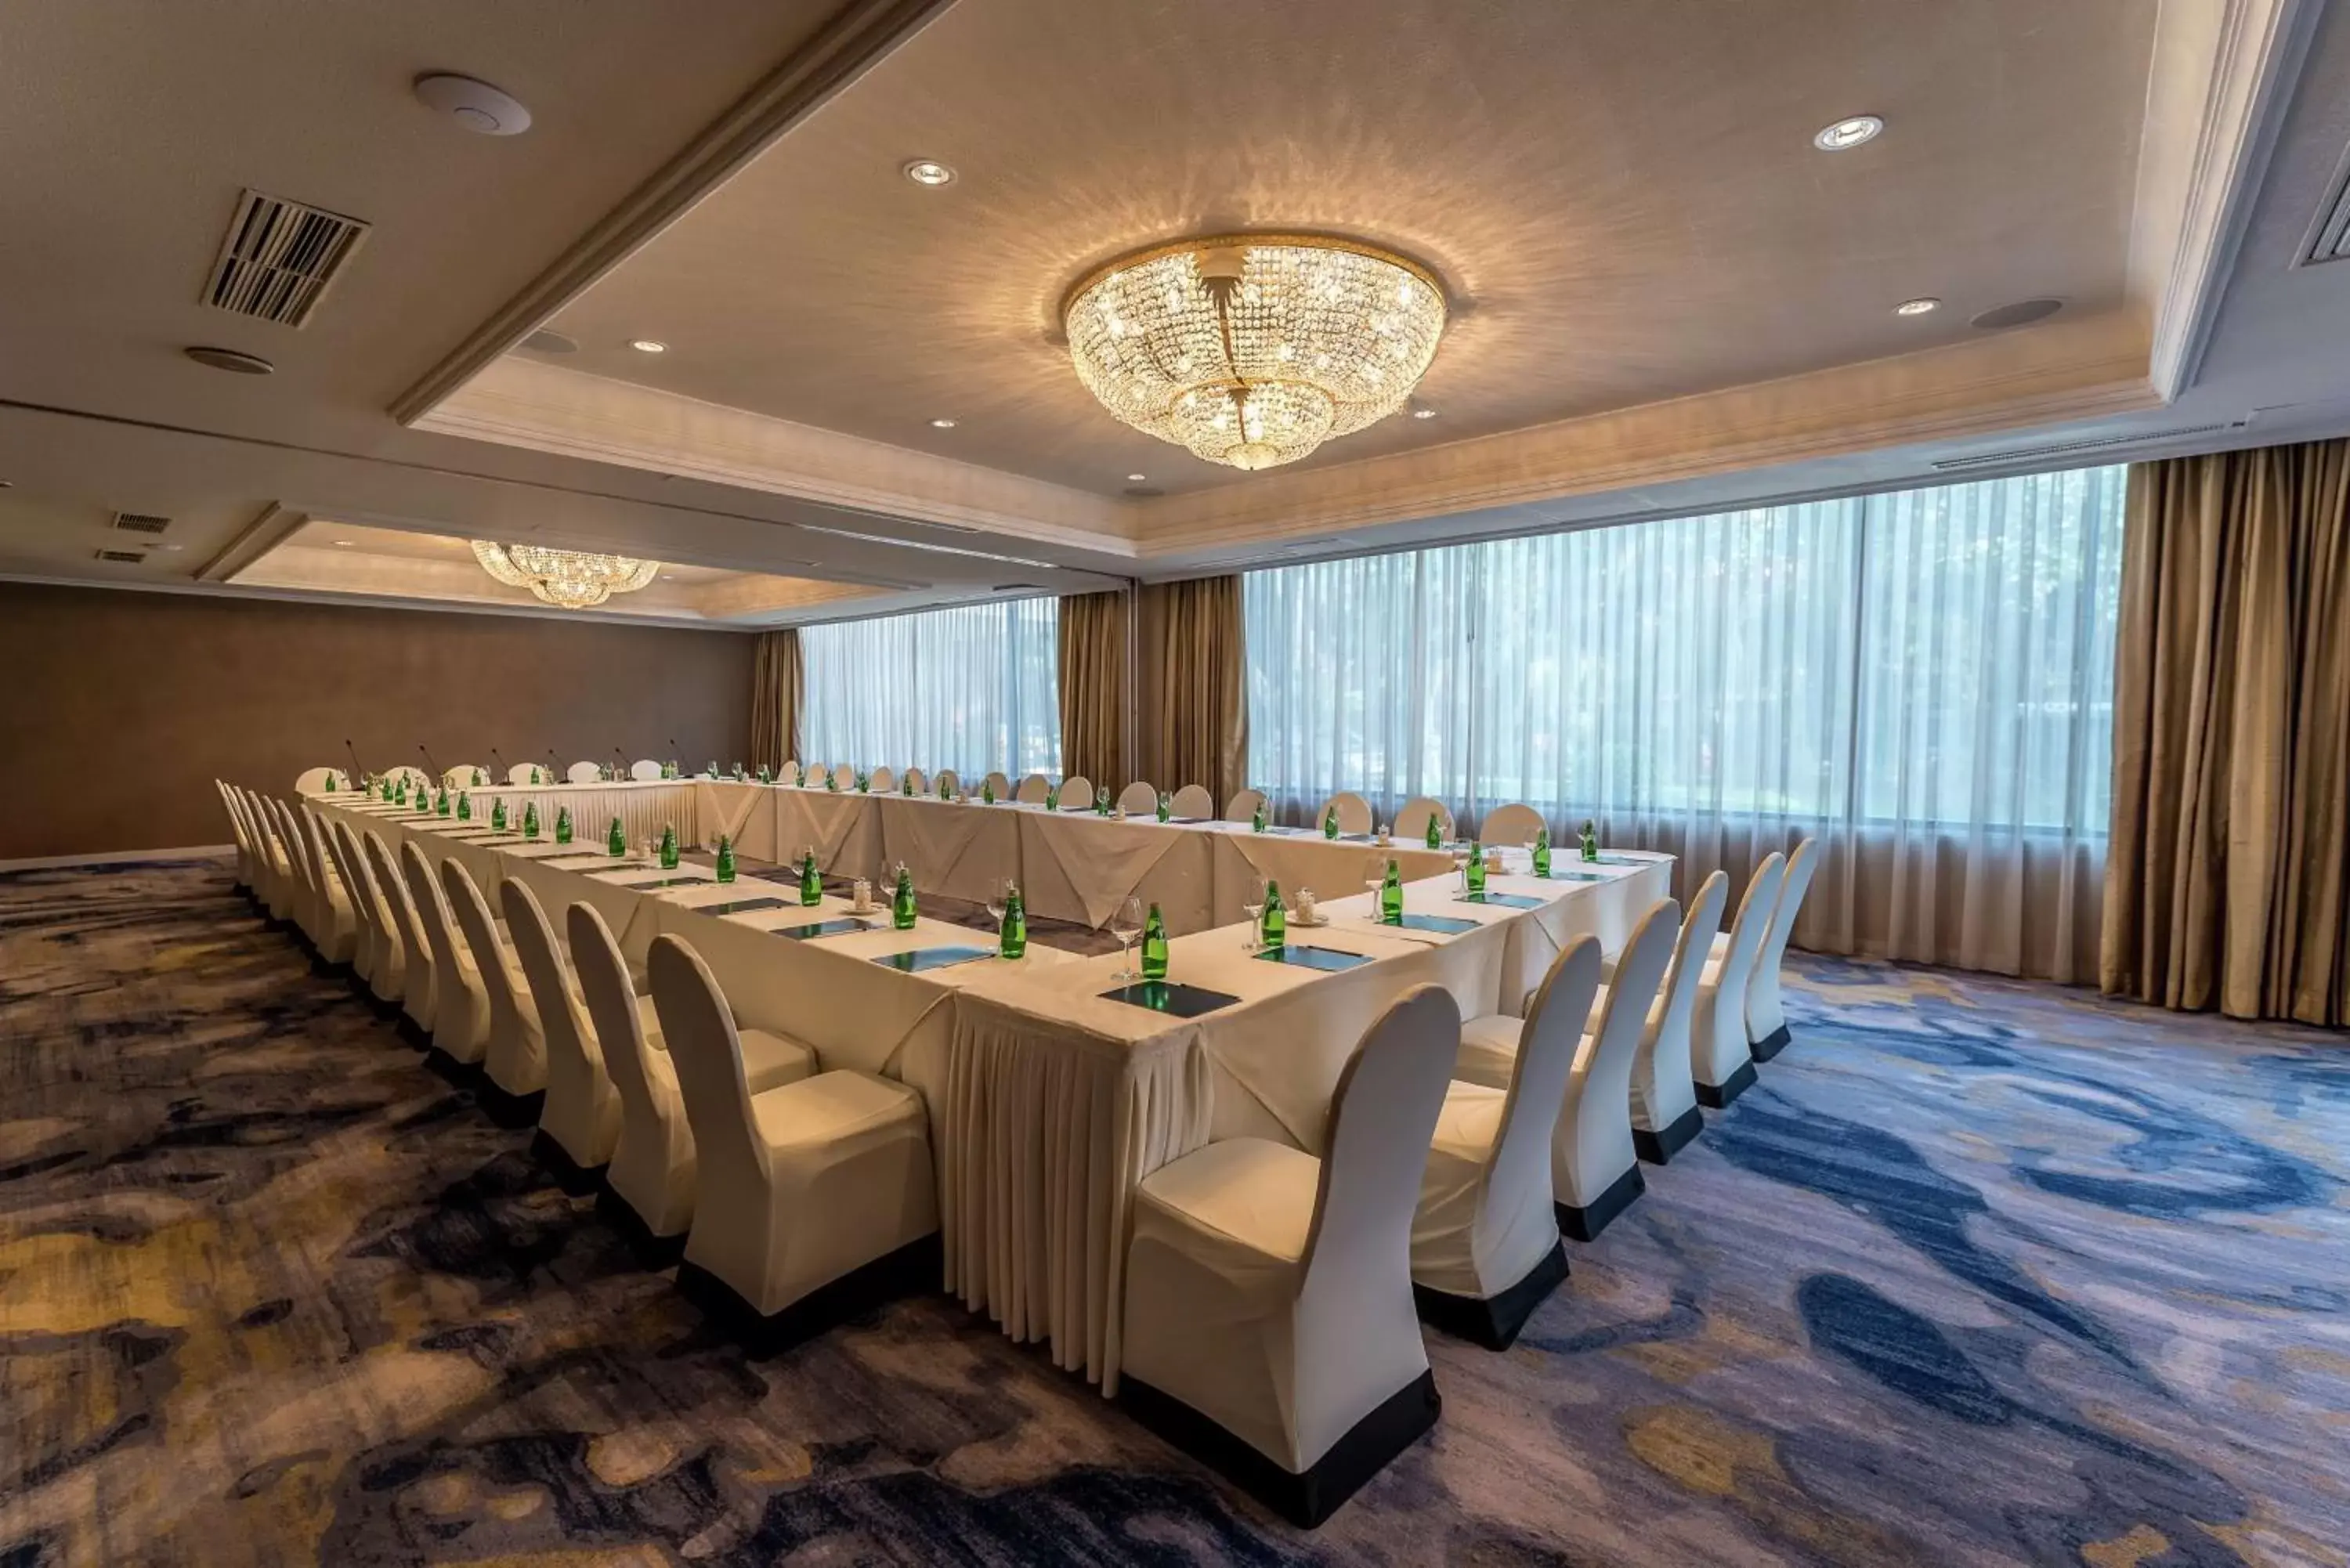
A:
x: 649, y: 346
x: 342, y: 544
x: 942, y: 424
x: 474, y: 105
x: 1925, y: 305
x: 233, y: 360
x: 1135, y: 478
x: 1846, y: 133
x: 924, y: 172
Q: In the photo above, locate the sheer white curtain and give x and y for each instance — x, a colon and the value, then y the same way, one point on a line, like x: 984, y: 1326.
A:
x: 1922, y: 679
x: 971, y: 688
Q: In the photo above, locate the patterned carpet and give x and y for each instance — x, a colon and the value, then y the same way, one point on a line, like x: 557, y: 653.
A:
x: 1981, y: 1273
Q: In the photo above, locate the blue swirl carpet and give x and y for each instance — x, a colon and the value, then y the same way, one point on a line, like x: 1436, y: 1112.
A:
x: 1981, y: 1272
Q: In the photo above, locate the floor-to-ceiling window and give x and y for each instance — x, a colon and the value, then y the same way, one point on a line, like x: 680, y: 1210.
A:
x: 1922, y: 677
x: 972, y: 688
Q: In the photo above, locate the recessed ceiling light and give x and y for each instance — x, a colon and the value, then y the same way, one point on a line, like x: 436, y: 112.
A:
x: 235, y: 359
x: 474, y: 105
x: 925, y: 171
x: 1135, y: 478
x: 1423, y: 413
x: 1846, y: 133
x: 942, y: 424
x: 343, y: 543
x: 1925, y: 305
x: 648, y: 345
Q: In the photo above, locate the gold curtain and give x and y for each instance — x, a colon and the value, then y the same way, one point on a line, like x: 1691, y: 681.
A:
x: 1191, y: 667
x: 778, y: 689
x: 2225, y: 880
x: 1095, y: 700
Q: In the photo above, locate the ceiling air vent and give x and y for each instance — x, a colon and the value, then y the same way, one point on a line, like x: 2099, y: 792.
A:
x: 279, y: 258
x: 2072, y: 447
x: 124, y: 557
x: 2329, y: 237
x: 140, y: 522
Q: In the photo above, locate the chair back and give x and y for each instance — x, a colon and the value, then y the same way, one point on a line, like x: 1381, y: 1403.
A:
x: 1599, y: 1090
x: 1193, y: 801
x: 298, y: 867
x: 1748, y: 928
x: 1139, y: 798
x: 508, y: 1007
x: 619, y: 1040
x: 567, y: 1032
x: 313, y: 781
x: 1077, y: 793
x: 1411, y: 822
x: 999, y: 785
x: 235, y: 811
x: 583, y: 772
x: 843, y: 776
x: 1382, y: 1116
x: 707, y: 1053
x: 1034, y: 789
x: 918, y: 781
x: 359, y: 885
x: 947, y: 779
x: 1353, y: 812
x: 644, y: 770
x: 432, y: 913
x: 519, y: 772
x: 1242, y: 806
x: 881, y: 780
x: 1547, y: 1048
x: 416, y: 951
x: 1512, y: 824
x: 461, y: 776
x: 1788, y: 906
x: 415, y: 775
x: 789, y: 773
x: 1697, y: 929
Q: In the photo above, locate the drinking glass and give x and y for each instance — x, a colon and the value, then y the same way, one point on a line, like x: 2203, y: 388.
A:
x: 996, y: 903
x: 1256, y: 913
x: 1126, y: 927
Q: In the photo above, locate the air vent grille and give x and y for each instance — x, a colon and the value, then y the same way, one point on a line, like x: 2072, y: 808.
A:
x: 2069, y: 448
x: 124, y: 557
x: 2329, y: 237
x: 279, y: 258
x: 140, y: 522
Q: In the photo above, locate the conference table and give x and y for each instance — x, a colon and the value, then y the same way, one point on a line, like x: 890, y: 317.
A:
x: 1054, y: 1090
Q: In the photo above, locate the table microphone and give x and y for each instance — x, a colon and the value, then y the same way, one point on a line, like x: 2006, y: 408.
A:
x: 553, y: 768
x: 430, y: 763
x: 357, y: 772
x: 499, y: 764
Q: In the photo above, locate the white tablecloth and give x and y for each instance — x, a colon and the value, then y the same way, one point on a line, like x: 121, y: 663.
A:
x: 644, y: 809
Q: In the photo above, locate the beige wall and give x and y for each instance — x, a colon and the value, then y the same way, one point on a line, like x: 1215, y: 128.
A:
x: 117, y: 709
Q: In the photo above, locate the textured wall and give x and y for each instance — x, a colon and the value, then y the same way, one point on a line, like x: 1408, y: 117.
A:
x: 117, y: 709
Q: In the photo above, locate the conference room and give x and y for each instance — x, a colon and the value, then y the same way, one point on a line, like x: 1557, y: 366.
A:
x: 1013, y: 782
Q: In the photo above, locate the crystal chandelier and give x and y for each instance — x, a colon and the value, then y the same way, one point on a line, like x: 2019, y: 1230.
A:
x: 570, y: 579
x: 1254, y: 350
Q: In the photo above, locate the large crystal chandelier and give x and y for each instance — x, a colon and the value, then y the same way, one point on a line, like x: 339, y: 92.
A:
x: 1254, y: 350
x: 570, y: 579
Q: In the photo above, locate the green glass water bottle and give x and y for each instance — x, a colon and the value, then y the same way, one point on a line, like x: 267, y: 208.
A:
x: 465, y: 807
x: 763, y: 774
x: 1014, y: 939
x: 1391, y: 896
x: 1435, y: 831
x: 1154, y: 946
x: 725, y: 858
x: 1166, y: 810
x: 530, y: 819
x: 668, y: 847
x: 906, y: 784
x: 832, y: 781
x: 536, y: 777
x: 713, y: 768
x: 562, y: 825
x: 1542, y: 851
x: 1330, y: 822
x: 481, y: 779
x: 946, y: 788
x: 333, y: 787
x: 440, y: 803
x: 1101, y: 801
x: 616, y: 843
x: 498, y: 814
x: 864, y: 782
x: 811, y: 879
x: 400, y: 795
x: 1273, y: 926
x: 1590, y: 841
x: 986, y: 790
x: 1053, y: 797
x: 902, y: 902
x: 1475, y: 869
x: 1256, y: 818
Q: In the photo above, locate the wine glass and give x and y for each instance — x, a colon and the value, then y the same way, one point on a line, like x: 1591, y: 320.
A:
x: 1126, y: 926
x: 1256, y: 913
x: 997, y: 898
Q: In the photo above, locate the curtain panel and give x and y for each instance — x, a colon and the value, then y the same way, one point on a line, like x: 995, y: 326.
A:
x: 2228, y: 881
x: 1191, y: 669
x: 778, y: 688
x: 970, y: 688
x: 1097, y: 695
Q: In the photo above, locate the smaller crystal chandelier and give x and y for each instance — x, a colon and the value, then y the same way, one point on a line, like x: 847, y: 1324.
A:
x: 569, y: 579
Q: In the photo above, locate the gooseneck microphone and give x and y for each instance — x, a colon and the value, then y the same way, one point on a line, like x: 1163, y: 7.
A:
x: 498, y: 762
x: 553, y: 768
x: 432, y: 767
x: 357, y: 771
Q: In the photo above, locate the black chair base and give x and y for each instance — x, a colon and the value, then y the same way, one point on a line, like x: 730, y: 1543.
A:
x: 1494, y: 1320
x: 573, y: 1178
x: 914, y: 1267
x: 1658, y: 1147
x: 1306, y: 1499
x: 1770, y: 1045
x: 653, y: 1254
x: 1586, y: 1223
x: 509, y: 1110
x: 1717, y: 1097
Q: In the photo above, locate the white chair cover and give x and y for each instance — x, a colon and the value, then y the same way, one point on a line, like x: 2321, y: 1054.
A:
x: 1411, y: 825
x: 301, y: 893
x: 789, y: 773
x: 1139, y: 798
x: 1270, y: 1291
x: 264, y: 880
x: 1242, y: 806
x: 1512, y: 823
x: 1193, y: 801
x: 515, y: 1055
x: 338, y: 927
x: 460, y: 1008
x: 1353, y: 812
x: 411, y: 772
x: 1485, y: 1222
x: 387, y: 970
x: 1077, y: 793
x: 582, y: 1113
x: 1722, y: 1060
x: 1766, y: 1016
x: 1001, y: 785
x: 917, y: 782
x: 843, y: 776
x: 461, y: 776
x: 1664, y: 1096
x: 1034, y: 789
x: 418, y: 990
x: 881, y: 780
x: 948, y: 780
x: 244, y: 873
x: 806, y: 1180
x: 275, y: 887
x: 520, y: 773
x: 644, y: 769
x: 652, y: 1169
x: 313, y: 781
x: 583, y: 772
x: 366, y: 945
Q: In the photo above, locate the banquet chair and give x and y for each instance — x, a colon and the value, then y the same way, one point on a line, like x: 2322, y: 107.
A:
x: 1077, y: 793
x: 1595, y: 1174
x: 301, y: 891
x: 579, y: 1120
x: 416, y: 985
x: 275, y: 889
x: 1411, y: 822
x: 1242, y: 806
x: 244, y: 872
x: 843, y: 776
x: 460, y: 1007
x: 651, y: 1173
x: 387, y: 970
x: 1034, y: 789
x: 948, y: 780
x: 1512, y: 824
x: 1485, y: 1241
x: 1766, y: 1017
x: 1353, y: 812
x: 513, y: 1056
x: 1664, y: 1096
x: 461, y: 776
x: 789, y: 773
x: 519, y: 772
x: 417, y: 777
x: 1139, y: 798
x: 584, y: 773
x: 364, y: 945
x: 644, y: 770
x: 881, y: 780
x: 999, y: 785
x: 337, y: 925
x: 1720, y: 1060
x: 1193, y: 801
x: 1269, y: 1328
x: 821, y: 1189
x: 313, y: 781
x: 917, y: 781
